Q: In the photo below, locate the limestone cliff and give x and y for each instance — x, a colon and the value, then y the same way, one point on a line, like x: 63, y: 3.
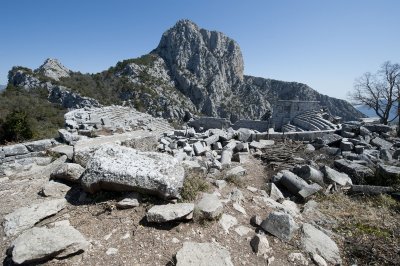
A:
x: 206, y: 65
x: 52, y: 68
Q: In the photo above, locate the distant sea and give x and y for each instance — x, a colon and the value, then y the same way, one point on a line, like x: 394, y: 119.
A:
x: 371, y: 113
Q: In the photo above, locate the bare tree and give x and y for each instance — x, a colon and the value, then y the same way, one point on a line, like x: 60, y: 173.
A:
x: 380, y: 91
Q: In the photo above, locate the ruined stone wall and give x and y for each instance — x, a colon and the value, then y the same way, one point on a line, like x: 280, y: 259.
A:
x: 210, y: 122
x: 285, y: 111
x: 222, y: 123
x: 261, y: 126
x: 301, y: 136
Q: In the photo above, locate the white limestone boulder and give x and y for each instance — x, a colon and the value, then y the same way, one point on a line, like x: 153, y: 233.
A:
x: 119, y: 168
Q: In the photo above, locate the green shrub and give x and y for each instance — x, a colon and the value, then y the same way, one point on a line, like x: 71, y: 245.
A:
x: 192, y: 186
x: 19, y: 108
x: 16, y: 127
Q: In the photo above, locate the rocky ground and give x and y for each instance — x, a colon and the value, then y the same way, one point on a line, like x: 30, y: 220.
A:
x: 216, y: 197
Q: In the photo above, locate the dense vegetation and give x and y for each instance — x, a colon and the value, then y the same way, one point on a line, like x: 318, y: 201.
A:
x: 28, y: 115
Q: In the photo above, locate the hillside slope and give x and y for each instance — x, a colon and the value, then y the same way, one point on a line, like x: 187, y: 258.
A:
x: 192, y: 72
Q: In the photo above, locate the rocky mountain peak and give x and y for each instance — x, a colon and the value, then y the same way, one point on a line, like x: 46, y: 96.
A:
x: 205, y: 64
x: 52, y: 68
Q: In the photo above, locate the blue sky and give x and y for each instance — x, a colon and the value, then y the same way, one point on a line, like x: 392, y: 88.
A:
x: 325, y: 44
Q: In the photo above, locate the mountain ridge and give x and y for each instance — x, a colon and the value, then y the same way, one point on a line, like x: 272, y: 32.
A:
x: 191, y: 72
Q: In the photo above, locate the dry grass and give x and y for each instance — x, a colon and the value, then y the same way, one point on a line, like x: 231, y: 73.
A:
x: 370, y: 227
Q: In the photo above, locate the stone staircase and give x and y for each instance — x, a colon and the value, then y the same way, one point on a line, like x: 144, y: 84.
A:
x: 291, y: 128
x: 115, y: 118
x: 312, y: 121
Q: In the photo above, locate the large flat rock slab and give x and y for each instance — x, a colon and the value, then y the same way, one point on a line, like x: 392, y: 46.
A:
x: 26, y: 217
x: 119, y: 168
x: 203, y: 254
x: 358, y: 173
x: 39, y: 244
x: 140, y: 140
x: 316, y: 241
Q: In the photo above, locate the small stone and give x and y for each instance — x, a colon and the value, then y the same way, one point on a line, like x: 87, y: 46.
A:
x: 111, y: 251
x: 256, y: 220
x: 291, y: 207
x: 175, y: 240
x: 236, y: 172
x: 240, y: 157
x: 170, y: 212
x: 319, y: 260
x: 239, y: 208
x: 226, y: 158
x: 187, y: 149
x: 126, y: 236
x: 346, y: 146
x: 346, y: 134
x: 260, y: 245
x: 359, y: 149
x: 267, y: 142
x: 220, y: 184
x: 193, y: 166
x: 106, y: 237
x: 258, y: 145
x: 217, y: 146
x: 365, y: 132
x: 274, y: 192
x: 68, y: 171
x: 210, y: 206
x: 211, y: 139
x: 54, y: 189
x: 227, y: 221
x: 385, y: 155
x: 297, y: 258
x: 198, y: 148
x: 252, y: 189
x: 131, y: 201
x: 309, y: 148
x: 236, y: 195
x: 216, y: 164
x: 243, y: 230
x: 280, y: 225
